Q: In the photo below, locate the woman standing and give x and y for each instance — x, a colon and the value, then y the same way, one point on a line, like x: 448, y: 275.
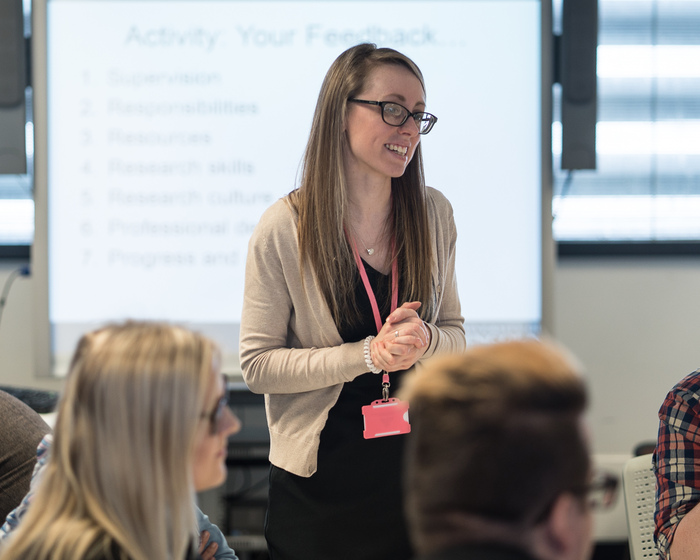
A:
x: 352, y: 273
x: 142, y: 425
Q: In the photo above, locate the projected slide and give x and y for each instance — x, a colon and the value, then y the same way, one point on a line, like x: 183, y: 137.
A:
x: 172, y: 125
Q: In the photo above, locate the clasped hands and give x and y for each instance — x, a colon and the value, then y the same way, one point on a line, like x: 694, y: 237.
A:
x: 402, y: 341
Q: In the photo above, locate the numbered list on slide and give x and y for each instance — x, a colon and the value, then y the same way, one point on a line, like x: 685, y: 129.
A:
x: 161, y: 173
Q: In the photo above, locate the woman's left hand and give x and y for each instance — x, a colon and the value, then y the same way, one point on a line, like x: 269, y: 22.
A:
x: 403, y: 339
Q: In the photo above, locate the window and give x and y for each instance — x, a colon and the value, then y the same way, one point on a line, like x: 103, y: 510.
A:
x: 16, y: 190
x: 16, y: 210
x: 646, y: 187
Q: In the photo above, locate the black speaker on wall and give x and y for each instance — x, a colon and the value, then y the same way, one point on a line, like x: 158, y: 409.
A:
x: 579, y: 83
x: 13, y: 82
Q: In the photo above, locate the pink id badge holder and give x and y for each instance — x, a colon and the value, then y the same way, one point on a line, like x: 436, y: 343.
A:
x: 385, y: 416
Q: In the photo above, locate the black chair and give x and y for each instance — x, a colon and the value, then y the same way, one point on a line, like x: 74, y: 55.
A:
x: 39, y: 400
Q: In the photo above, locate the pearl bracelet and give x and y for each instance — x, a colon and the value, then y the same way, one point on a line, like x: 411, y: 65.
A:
x: 368, y: 357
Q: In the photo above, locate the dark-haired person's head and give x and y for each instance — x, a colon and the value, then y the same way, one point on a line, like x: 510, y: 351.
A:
x: 498, y: 453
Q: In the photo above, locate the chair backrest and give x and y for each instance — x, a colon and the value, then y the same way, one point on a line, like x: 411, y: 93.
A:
x: 38, y: 400
x: 640, y: 496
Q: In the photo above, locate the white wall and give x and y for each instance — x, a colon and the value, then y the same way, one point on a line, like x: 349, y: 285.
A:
x: 633, y: 323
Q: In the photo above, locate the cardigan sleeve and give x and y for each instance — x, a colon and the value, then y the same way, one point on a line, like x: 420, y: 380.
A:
x: 289, y: 342
x: 447, y: 327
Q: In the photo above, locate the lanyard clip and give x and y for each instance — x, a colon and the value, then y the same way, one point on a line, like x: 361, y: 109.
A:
x: 385, y: 387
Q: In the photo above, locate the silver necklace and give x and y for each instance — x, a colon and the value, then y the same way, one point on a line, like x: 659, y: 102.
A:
x: 369, y: 250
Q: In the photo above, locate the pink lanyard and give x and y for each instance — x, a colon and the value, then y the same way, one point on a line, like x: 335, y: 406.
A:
x: 373, y: 299
x: 368, y: 287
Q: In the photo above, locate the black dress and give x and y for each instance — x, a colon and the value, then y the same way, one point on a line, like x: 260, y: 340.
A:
x: 352, y: 507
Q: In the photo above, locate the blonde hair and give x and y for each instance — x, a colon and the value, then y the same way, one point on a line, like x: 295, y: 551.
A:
x: 322, y: 198
x: 119, y: 475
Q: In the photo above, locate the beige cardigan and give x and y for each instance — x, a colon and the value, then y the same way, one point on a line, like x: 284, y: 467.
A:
x: 290, y: 348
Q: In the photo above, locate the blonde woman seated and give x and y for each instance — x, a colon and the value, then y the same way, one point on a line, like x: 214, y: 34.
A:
x: 143, y: 425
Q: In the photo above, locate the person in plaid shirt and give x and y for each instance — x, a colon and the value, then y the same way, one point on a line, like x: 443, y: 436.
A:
x: 676, y: 464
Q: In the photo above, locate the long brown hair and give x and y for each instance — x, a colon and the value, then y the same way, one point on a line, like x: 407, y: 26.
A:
x: 321, y: 200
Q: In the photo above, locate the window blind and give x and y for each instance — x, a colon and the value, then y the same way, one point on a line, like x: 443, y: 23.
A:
x: 647, y: 183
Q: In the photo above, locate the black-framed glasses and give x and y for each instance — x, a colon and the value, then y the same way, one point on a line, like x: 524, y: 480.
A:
x: 601, y: 491
x: 395, y: 114
x: 216, y: 416
x: 599, y: 494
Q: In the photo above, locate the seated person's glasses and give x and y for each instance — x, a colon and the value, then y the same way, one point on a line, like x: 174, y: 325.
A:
x: 395, y: 114
x: 602, y: 490
x: 216, y: 416
x: 599, y: 494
